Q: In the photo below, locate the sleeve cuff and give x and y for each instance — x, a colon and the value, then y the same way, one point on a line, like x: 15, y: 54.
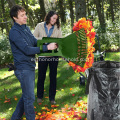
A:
x: 45, y: 48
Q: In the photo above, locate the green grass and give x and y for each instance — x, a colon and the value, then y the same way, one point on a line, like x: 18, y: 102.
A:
x: 66, y: 79
x: 113, y: 56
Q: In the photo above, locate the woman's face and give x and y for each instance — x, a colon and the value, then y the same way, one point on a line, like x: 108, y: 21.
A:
x: 53, y: 19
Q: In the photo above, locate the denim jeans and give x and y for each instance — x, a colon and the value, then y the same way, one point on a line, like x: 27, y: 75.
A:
x: 25, y: 104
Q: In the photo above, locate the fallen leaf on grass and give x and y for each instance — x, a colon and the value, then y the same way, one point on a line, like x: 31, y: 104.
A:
x: 39, y: 103
x: 46, y: 97
x: 10, y: 108
x: 62, y: 89
x: 54, y: 106
x: 15, y: 98
x: 73, y: 94
x: 70, y: 88
x: 7, y: 101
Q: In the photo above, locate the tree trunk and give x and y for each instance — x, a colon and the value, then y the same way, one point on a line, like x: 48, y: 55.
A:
x: 80, y: 7
x: 111, y: 8
x: 100, y: 14
x: 88, y: 9
x: 71, y: 12
x: 4, y: 17
x: 11, y: 3
x: 26, y: 1
x: 62, y: 11
x: 31, y: 21
x: 42, y: 10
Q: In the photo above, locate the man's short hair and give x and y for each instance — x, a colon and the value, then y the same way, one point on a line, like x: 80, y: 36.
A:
x: 14, y: 11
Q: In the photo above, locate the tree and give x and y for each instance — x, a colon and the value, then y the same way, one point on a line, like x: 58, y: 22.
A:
x: 62, y: 11
x: 111, y: 8
x: 42, y: 10
x: 100, y: 14
x: 51, y: 5
x: 71, y: 12
x: 80, y: 8
x: 29, y: 12
x: 4, y: 17
x: 90, y: 9
x: 11, y: 3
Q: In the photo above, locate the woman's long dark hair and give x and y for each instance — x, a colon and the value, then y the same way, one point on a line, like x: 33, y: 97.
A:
x: 49, y: 15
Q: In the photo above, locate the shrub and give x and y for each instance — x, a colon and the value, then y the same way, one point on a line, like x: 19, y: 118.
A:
x: 109, y: 41
x: 5, y: 51
x: 66, y: 29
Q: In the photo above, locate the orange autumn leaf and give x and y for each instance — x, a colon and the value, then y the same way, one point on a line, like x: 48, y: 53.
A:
x: 36, y: 117
x: 6, y: 97
x: 70, y: 88
x: 54, y: 106
x: 15, y: 99
x: 46, y: 97
x: 7, y: 101
x: 43, y: 112
x: 48, y: 109
x: 39, y: 113
x: 66, y: 106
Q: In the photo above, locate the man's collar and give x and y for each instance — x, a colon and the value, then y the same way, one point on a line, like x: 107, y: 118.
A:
x: 22, y: 26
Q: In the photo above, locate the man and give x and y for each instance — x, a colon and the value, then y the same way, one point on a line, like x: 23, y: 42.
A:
x: 23, y: 45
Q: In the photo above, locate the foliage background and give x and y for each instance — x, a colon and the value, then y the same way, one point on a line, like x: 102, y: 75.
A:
x: 103, y: 13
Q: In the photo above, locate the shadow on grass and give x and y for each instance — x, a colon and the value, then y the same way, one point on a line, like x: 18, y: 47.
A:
x: 7, y: 79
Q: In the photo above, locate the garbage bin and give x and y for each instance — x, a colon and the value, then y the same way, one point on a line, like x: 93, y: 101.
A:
x: 103, y: 89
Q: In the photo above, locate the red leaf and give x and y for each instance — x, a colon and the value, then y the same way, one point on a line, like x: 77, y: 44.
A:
x: 73, y: 94
x: 39, y: 103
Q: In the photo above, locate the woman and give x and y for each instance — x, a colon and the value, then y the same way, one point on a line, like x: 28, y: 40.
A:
x: 49, y: 28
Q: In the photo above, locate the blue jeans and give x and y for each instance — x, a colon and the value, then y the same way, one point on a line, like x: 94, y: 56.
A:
x: 25, y: 104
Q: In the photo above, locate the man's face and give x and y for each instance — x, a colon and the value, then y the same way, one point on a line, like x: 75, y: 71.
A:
x: 21, y: 18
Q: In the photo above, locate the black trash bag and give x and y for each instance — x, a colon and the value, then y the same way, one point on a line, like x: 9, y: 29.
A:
x: 103, y: 87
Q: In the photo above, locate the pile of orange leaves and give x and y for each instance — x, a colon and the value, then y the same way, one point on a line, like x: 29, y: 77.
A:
x: 66, y: 113
x: 90, y: 34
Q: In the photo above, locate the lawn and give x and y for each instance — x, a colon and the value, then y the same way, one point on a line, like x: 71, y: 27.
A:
x: 70, y: 97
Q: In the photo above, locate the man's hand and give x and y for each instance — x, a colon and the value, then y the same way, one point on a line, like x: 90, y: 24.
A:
x: 52, y: 46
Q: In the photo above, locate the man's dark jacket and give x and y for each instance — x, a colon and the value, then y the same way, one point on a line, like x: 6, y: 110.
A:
x: 24, y: 47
